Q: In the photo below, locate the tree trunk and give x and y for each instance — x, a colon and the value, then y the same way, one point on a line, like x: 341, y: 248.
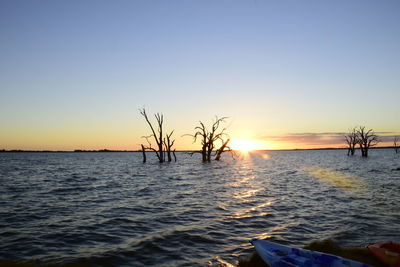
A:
x: 204, y: 153
x: 364, y: 151
x: 169, y: 155
x: 209, y: 155
x: 173, y: 153
x: 221, y: 150
x: 144, y: 154
x: 160, y: 154
x: 210, y: 148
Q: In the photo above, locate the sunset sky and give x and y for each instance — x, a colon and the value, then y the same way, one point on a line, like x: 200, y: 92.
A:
x: 288, y: 74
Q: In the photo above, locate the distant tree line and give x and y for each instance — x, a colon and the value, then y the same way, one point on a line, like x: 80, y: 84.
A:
x: 164, y: 142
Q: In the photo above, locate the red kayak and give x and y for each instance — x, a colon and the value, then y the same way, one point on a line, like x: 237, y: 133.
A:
x: 386, y: 252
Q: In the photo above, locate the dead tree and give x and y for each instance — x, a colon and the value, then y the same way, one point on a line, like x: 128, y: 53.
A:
x: 352, y: 141
x: 396, y: 144
x: 168, y: 143
x: 222, y: 149
x: 144, y: 153
x: 366, y: 139
x: 209, y: 138
x: 164, y: 144
x: 173, y: 153
x: 201, y: 131
x: 157, y: 137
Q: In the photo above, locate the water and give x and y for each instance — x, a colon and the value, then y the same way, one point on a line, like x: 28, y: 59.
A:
x: 110, y: 209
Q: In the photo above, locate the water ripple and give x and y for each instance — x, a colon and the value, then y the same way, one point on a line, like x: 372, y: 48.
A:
x: 109, y: 209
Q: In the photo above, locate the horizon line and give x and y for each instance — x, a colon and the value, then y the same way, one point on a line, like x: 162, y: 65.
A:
x: 138, y: 150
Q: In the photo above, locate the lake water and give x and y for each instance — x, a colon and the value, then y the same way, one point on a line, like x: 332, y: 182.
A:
x: 110, y: 209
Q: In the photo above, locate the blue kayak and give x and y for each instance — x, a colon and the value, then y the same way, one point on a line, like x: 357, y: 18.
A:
x: 276, y: 255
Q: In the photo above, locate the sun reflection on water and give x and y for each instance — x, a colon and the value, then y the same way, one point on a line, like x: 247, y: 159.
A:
x: 250, y: 212
x: 247, y: 193
x: 265, y: 156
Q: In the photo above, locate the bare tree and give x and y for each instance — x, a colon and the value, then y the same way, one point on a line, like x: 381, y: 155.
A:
x: 144, y: 153
x: 366, y: 139
x: 396, y: 144
x: 168, y: 143
x: 352, y: 141
x: 202, y: 133
x: 209, y: 138
x: 222, y: 149
x: 158, y: 137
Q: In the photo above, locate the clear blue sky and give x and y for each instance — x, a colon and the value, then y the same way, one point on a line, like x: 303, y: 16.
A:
x: 74, y: 73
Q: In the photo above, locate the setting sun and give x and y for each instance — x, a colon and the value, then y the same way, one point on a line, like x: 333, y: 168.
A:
x: 243, y: 145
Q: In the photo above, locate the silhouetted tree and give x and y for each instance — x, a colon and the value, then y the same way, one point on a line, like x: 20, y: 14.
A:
x: 222, y: 149
x: 366, y: 139
x: 168, y: 143
x: 352, y: 141
x: 158, y: 138
x: 396, y: 144
x: 144, y: 153
x: 203, y: 133
x: 209, y: 138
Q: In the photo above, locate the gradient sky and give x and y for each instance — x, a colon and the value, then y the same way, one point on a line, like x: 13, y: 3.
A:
x: 74, y: 73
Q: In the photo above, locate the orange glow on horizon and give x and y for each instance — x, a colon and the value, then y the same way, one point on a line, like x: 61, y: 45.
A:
x: 70, y: 137
x: 243, y: 145
x: 246, y: 145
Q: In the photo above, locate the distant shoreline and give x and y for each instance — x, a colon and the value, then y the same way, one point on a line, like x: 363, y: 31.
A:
x: 139, y: 151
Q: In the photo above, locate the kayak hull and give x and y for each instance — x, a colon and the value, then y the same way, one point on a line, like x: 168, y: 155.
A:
x: 386, y: 252
x: 277, y: 255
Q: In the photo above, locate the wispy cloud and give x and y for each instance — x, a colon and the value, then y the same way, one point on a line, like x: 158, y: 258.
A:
x: 309, y: 138
x: 387, y: 138
x: 327, y: 139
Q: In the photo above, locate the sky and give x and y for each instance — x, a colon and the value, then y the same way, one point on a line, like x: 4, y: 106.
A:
x: 288, y: 74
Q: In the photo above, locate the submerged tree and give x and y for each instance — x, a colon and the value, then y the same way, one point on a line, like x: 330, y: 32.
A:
x: 366, y: 139
x: 209, y: 139
x: 352, y: 141
x: 223, y: 149
x: 163, y: 146
x: 144, y: 153
x: 168, y: 143
x: 396, y: 144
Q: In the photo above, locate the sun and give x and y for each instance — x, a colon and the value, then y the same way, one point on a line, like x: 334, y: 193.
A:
x: 243, y: 145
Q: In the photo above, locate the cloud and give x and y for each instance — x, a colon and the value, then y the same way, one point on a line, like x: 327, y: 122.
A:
x: 326, y: 139
x: 387, y: 138
x: 309, y: 138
